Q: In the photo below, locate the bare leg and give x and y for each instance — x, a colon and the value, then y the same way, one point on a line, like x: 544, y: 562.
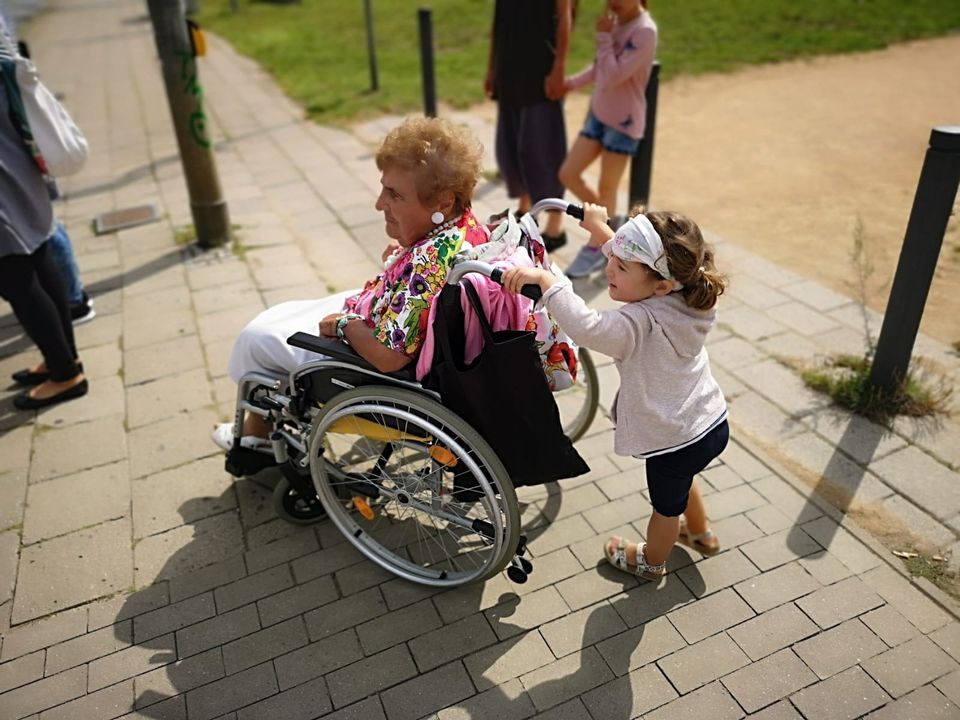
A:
x: 696, y: 517
x: 612, y: 167
x: 662, y: 533
x: 523, y: 205
x: 583, y: 152
x: 696, y: 512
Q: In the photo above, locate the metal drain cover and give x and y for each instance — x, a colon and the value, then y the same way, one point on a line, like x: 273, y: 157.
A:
x: 125, y: 218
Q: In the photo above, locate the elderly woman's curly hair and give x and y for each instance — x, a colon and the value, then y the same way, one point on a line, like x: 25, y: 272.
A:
x: 439, y: 154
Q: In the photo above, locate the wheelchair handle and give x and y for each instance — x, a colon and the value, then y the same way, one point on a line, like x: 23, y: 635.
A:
x: 574, y: 211
x: 531, y: 291
x: 460, y: 269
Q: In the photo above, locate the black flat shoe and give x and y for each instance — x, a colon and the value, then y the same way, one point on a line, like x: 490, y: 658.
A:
x: 23, y: 401
x: 28, y: 378
x: 553, y: 242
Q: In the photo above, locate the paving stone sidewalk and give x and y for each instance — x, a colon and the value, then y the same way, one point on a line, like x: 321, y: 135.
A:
x: 138, y: 580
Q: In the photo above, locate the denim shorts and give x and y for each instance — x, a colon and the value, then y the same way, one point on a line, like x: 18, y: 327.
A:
x: 611, y: 140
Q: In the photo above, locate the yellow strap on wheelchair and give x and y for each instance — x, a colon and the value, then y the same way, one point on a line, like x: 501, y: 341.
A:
x: 443, y: 455
x: 353, y: 425
x: 363, y: 507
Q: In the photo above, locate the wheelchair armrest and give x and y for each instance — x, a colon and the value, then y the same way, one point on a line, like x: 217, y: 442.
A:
x: 341, y: 351
x: 331, y: 348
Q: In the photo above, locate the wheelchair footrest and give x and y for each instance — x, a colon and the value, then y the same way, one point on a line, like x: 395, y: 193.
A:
x: 243, y: 461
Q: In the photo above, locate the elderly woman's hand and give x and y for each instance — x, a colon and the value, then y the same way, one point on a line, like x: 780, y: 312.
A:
x: 328, y: 326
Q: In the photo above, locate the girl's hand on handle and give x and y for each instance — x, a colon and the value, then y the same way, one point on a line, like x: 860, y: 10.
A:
x: 516, y: 277
x: 594, y: 218
x: 605, y: 23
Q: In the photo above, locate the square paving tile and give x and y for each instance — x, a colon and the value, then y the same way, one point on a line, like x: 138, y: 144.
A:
x: 73, y: 569
x: 65, y: 504
x: 78, y: 447
x: 181, y: 495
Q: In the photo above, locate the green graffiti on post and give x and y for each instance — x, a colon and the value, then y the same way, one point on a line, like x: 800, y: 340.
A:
x: 198, y: 118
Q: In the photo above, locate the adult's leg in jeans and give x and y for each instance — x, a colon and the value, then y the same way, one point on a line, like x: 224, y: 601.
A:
x: 39, y: 313
x: 62, y: 252
x: 54, y: 285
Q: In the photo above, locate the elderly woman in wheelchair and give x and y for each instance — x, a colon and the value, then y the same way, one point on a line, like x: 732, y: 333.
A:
x: 357, y: 439
x: 408, y: 482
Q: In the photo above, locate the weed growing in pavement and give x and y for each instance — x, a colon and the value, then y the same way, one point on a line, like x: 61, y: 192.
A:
x: 935, y: 569
x: 185, y: 235
x: 846, y: 378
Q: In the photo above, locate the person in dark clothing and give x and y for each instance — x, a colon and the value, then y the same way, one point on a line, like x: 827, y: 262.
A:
x: 29, y: 277
x: 525, y: 75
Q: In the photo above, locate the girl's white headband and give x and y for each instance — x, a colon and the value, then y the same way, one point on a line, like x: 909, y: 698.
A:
x: 638, y: 241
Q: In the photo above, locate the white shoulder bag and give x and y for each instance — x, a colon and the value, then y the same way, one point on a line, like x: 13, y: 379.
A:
x: 60, y: 141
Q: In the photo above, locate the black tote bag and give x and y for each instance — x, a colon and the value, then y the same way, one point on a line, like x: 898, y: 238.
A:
x: 503, y: 393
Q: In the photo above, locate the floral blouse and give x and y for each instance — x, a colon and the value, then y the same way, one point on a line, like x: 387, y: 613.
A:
x: 396, y: 304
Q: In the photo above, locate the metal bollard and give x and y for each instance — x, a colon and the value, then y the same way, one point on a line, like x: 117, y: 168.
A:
x: 185, y: 96
x: 424, y: 15
x: 641, y: 165
x: 932, y: 205
x: 371, y: 45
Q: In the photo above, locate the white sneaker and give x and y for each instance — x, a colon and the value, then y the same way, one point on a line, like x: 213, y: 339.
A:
x: 222, y: 435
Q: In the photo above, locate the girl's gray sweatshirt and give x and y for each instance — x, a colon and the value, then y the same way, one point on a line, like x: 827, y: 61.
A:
x: 668, y: 397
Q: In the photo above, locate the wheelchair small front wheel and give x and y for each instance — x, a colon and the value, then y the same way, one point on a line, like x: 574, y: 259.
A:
x: 294, y: 508
x: 413, y: 487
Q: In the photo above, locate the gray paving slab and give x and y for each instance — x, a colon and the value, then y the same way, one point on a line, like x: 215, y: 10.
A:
x: 100, y: 564
x: 193, y: 600
x: 96, y: 495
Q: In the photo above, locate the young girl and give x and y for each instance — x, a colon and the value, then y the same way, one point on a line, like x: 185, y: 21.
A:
x: 669, y: 409
x: 626, y: 44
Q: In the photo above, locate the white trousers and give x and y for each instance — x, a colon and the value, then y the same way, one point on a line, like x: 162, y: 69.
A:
x: 262, y: 344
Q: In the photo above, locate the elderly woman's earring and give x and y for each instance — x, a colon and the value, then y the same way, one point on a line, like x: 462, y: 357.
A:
x: 437, y: 217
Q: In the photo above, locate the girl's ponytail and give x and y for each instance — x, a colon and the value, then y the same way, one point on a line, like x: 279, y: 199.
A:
x: 690, y: 259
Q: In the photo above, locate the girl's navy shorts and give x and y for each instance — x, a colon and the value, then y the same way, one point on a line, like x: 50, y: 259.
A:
x: 669, y: 476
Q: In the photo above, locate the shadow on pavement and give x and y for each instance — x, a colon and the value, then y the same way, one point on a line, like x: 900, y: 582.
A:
x: 866, y: 437
x: 161, y: 692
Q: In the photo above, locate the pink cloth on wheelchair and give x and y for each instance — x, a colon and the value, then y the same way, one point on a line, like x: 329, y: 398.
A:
x: 504, y: 310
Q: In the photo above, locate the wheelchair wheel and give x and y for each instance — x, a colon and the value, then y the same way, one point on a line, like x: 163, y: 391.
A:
x: 578, y: 403
x: 295, y: 509
x: 413, y: 486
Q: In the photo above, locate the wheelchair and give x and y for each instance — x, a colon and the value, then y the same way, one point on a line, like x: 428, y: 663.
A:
x: 407, y: 481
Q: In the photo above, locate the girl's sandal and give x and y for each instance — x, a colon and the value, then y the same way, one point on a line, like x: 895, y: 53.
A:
x: 617, y: 556
x: 705, y: 543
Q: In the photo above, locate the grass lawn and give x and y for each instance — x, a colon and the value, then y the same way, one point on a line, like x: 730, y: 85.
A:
x: 317, y: 49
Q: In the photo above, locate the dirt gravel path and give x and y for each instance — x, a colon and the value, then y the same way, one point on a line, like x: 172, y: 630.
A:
x: 782, y: 159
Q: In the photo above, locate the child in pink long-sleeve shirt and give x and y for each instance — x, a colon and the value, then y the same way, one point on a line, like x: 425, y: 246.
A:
x: 626, y: 44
